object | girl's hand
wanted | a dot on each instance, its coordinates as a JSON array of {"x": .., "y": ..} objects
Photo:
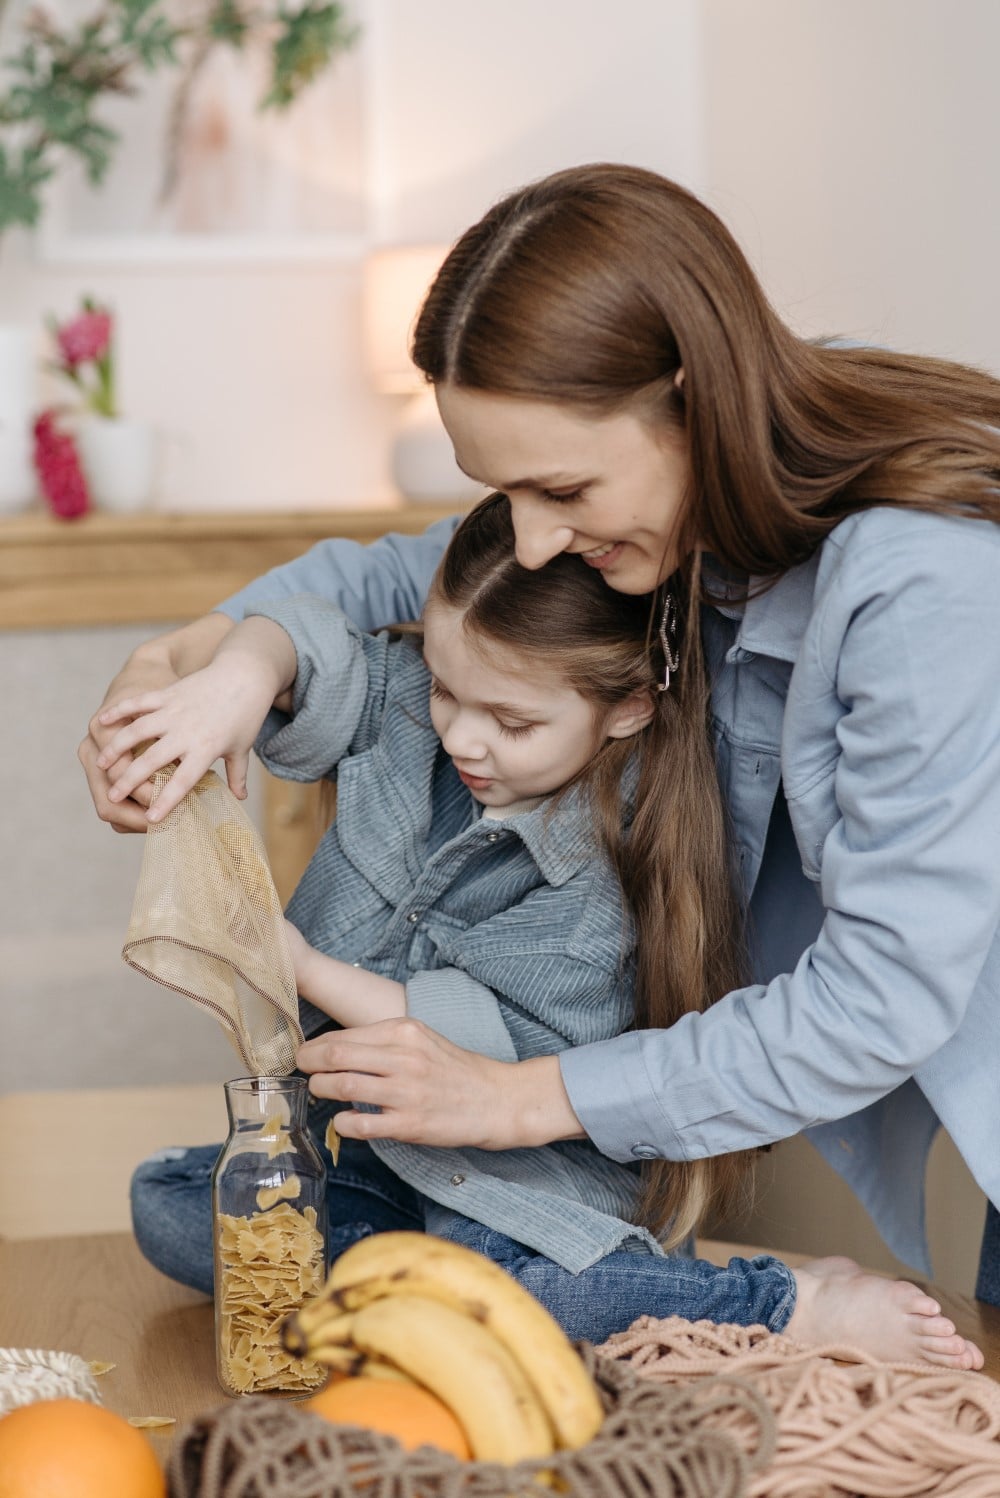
[
  {"x": 432, "y": 1092},
  {"x": 213, "y": 713}
]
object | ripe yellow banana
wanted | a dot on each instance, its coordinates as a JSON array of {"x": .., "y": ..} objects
[
  {"x": 357, "y": 1364},
  {"x": 315, "y": 1323},
  {"x": 465, "y": 1366},
  {"x": 392, "y": 1264}
]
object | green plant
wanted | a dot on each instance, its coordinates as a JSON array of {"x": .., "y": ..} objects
[{"x": 62, "y": 72}]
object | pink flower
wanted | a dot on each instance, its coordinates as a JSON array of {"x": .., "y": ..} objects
[
  {"x": 57, "y": 464},
  {"x": 85, "y": 338}
]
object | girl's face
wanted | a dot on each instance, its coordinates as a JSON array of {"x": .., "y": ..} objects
[
  {"x": 606, "y": 488},
  {"x": 513, "y": 729}
]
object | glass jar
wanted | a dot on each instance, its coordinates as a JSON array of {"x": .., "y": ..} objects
[{"x": 269, "y": 1232}]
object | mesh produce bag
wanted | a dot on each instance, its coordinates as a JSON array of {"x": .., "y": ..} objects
[
  {"x": 706, "y": 1442},
  {"x": 207, "y": 922}
]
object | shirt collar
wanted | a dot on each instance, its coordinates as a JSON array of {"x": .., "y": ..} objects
[
  {"x": 560, "y": 840},
  {"x": 774, "y": 622},
  {"x": 564, "y": 841}
]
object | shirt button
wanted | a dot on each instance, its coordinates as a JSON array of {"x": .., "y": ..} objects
[
  {"x": 457, "y": 1180},
  {"x": 493, "y": 837},
  {"x": 645, "y": 1151},
  {"x": 413, "y": 917}
]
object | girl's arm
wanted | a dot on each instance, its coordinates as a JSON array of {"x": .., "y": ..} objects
[
  {"x": 215, "y": 713},
  {"x": 348, "y": 994},
  {"x": 451, "y": 1073}
]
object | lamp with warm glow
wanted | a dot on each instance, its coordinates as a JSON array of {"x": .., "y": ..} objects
[{"x": 395, "y": 283}]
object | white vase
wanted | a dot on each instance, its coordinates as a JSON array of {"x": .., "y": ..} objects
[
  {"x": 423, "y": 459},
  {"x": 17, "y": 400},
  {"x": 119, "y": 462}
]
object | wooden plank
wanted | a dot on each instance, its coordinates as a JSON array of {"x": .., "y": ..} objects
[{"x": 150, "y": 568}]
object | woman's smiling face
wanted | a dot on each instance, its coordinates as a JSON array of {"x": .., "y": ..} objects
[{"x": 604, "y": 488}]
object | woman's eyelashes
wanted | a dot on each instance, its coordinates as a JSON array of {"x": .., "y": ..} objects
[{"x": 562, "y": 496}]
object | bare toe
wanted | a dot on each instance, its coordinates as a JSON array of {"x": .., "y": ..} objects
[{"x": 893, "y": 1320}]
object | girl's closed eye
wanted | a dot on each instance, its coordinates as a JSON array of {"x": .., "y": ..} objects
[
  {"x": 437, "y": 690},
  {"x": 515, "y": 730},
  {"x": 562, "y": 497}
]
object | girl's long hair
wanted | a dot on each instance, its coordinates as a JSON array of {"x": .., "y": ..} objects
[
  {"x": 595, "y": 287},
  {"x": 605, "y": 646}
]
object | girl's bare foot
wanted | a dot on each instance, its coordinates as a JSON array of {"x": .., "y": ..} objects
[{"x": 839, "y": 1302}]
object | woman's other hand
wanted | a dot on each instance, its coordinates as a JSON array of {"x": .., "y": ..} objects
[{"x": 430, "y": 1091}]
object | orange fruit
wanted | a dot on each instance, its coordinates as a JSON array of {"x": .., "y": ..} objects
[
  {"x": 67, "y": 1448},
  {"x": 413, "y": 1415}
]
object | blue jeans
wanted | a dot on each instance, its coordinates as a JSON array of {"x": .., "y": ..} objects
[
  {"x": 172, "y": 1218},
  {"x": 988, "y": 1283}
]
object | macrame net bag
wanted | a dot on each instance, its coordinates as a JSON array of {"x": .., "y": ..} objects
[
  {"x": 654, "y": 1443},
  {"x": 207, "y": 922}
]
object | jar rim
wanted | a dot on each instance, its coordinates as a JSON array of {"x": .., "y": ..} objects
[{"x": 266, "y": 1084}]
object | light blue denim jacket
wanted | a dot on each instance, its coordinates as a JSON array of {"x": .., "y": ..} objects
[
  {"x": 509, "y": 934},
  {"x": 857, "y": 717}
]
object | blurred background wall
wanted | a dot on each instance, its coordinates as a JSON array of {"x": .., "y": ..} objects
[{"x": 851, "y": 146}]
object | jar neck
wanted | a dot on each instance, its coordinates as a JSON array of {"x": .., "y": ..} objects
[{"x": 252, "y": 1101}]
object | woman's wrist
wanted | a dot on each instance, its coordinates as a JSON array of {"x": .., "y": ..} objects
[{"x": 540, "y": 1105}]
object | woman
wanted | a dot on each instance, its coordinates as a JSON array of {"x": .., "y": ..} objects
[{"x": 602, "y": 353}]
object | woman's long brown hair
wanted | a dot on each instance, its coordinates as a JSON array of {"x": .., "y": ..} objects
[{"x": 595, "y": 287}]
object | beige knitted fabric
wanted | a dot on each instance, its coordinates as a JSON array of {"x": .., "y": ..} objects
[{"x": 846, "y": 1429}]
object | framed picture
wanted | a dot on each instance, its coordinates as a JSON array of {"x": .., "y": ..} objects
[{"x": 201, "y": 174}]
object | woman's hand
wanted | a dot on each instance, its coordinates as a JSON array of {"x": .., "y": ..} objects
[{"x": 432, "y": 1092}]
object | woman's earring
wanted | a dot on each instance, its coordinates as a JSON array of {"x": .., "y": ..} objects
[{"x": 668, "y": 639}]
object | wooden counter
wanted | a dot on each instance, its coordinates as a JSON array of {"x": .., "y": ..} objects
[{"x": 151, "y": 568}]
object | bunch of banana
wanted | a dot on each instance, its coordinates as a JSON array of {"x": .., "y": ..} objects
[{"x": 449, "y": 1319}]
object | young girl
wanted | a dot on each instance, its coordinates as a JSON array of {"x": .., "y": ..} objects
[{"x": 496, "y": 790}]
